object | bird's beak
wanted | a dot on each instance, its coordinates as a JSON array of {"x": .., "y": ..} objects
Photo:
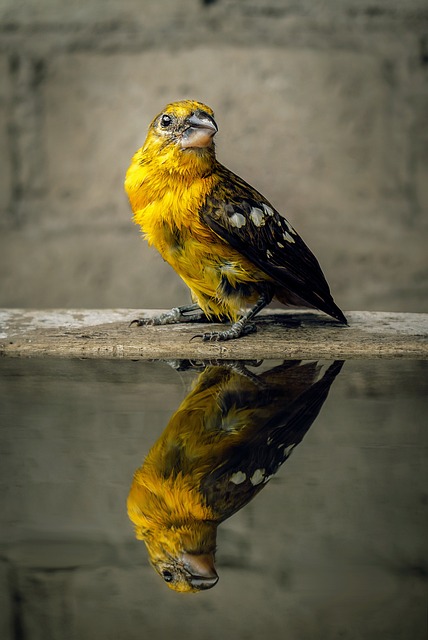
[
  {"x": 201, "y": 568},
  {"x": 200, "y": 131}
]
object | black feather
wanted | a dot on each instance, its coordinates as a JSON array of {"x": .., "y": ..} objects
[
  {"x": 292, "y": 266},
  {"x": 285, "y": 410}
]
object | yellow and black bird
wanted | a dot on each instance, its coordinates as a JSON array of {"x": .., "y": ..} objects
[
  {"x": 225, "y": 240},
  {"x": 220, "y": 448}
]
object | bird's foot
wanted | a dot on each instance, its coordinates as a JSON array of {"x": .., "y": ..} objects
[
  {"x": 237, "y": 330},
  {"x": 177, "y": 315}
]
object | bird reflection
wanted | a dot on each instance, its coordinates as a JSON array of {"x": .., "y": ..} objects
[{"x": 227, "y": 439}]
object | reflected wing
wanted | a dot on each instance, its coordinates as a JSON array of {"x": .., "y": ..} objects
[
  {"x": 251, "y": 463},
  {"x": 247, "y": 221}
]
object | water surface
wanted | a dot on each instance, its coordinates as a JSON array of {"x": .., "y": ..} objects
[{"x": 333, "y": 547}]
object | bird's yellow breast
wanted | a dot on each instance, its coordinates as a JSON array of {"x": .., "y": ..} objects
[{"x": 167, "y": 209}]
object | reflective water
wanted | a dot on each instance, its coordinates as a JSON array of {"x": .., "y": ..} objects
[{"x": 334, "y": 546}]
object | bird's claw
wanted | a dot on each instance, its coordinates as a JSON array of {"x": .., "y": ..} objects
[
  {"x": 144, "y": 322},
  {"x": 174, "y": 316},
  {"x": 177, "y": 315},
  {"x": 139, "y": 322},
  {"x": 236, "y": 331}
]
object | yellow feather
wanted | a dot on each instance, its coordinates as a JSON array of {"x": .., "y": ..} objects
[{"x": 167, "y": 189}]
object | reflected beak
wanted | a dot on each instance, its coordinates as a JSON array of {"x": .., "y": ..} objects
[
  {"x": 200, "y": 132},
  {"x": 201, "y": 568}
]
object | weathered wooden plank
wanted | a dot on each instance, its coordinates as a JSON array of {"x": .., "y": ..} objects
[{"x": 281, "y": 334}]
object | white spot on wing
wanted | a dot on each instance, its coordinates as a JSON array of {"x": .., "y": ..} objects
[
  {"x": 238, "y": 478},
  {"x": 257, "y": 477},
  {"x": 269, "y": 253},
  {"x": 257, "y": 216},
  {"x": 281, "y": 246},
  {"x": 287, "y": 237},
  {"x": 228, "y": 267},
  {"x": 238, "y": 220},
  {"x": 268, "y": 210},
  {"x": 287, "y": 450}
]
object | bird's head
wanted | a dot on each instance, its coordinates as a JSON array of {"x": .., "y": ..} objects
[
  {"x": 184, "y": 555},
  {"x": 181, "y": 136},
  {"x": 187, "y": 572},
  {"x": 178, "y": 529}
]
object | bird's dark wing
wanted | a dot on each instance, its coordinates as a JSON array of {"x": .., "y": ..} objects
[
  {"x": 247, "y": 222},
  {"x": 253, "y": 461}
]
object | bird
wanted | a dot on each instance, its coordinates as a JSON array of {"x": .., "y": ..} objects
[
  {"x": 220, "y": 448},
  {"x": 227, "y": 242}
]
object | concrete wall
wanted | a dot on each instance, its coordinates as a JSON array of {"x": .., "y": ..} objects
[{"x": 321, "y": 105}]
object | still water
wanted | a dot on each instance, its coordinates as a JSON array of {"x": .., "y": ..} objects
[{"x": 291, "y": 497}]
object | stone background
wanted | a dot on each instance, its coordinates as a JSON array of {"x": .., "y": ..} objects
[{"x": 321, "y": 105}]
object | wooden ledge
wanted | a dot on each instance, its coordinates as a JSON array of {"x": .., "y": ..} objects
[{"x": 281, "y": 334}]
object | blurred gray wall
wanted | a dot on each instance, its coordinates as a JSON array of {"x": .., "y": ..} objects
[{"x": 321, "y": 105}]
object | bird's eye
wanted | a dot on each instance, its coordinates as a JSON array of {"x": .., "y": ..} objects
[
  {"x": 166, "y": 120},
  {"x": 167, "y": 576}
]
